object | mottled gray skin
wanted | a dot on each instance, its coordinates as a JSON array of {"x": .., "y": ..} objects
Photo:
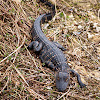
[{"x": 51, "y": 53}]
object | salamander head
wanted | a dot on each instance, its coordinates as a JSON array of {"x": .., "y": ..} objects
[{"x": 62, "y": 81}]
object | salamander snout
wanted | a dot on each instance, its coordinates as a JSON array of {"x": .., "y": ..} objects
[{"x": 62, "y": 81}]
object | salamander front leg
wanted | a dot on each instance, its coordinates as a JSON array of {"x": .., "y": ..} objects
[
  {"x": 35, "y": 45},
  {"x": 78, "y": 78},
  {"x": 48, "y": 63},
  {"x": 59, "y": 46}
]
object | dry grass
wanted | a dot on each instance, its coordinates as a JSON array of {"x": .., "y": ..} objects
[{"x": 21, "y": 73}]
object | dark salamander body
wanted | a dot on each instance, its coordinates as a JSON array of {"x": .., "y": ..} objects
[{"x": 51, "y": 53}]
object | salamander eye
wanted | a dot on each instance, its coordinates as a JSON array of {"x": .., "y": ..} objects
[
  {"x": 67, "y": 79},
  {"x": 58, "y": 78}
]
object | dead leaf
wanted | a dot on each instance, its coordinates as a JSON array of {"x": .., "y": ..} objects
[
  {"x": 17, "y": 1},
  {"x": 95, "y": 74}
]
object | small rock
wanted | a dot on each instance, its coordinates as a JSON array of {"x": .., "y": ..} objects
[
  {"x": 89, "y": 35},
  {"x": 76, "y": 33},
  {"x": 99, "y": 68},
  {"x": 75, "y": 23},
  {"x": 97, "y": 29},
  {"x": 46, "y": 25},
  {"x": 69, "y": 64},
  {"x": 93, "y": 17},
  {"x": 49, "y": 88},
  {"x": 80, "y": 27},
  {"x": 95, "y": 25},
  {"x": 71, "y": 16}
]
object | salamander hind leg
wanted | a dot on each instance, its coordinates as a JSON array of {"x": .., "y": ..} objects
[
  {"x": 78, "y": 78},
  {"x": 59, "y": 46},
  {"x": 35, "y": 45}
]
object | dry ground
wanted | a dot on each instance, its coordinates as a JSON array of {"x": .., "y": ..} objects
[{"x": 76, "y": 26}]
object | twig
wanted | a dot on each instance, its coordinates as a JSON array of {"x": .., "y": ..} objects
[
  {"x": 87, "y": 51},
  {"x": 33, "y": 59},
  {"x": 28, "y": 88},
  {"x": 99, "y": 14},
  {"x": 32, "y": 92},
  {"x": 66, "y": 3},
  {"x": 18, "y": 36},
  {"x": 20, "y": 75},
  {"x": 15, "y": 50},
  {"x": 64, "y": 94},
  {"x": 5, "y": 85},
  {"x": 4, "y": 75}
]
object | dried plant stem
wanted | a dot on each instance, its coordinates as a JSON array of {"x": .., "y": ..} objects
[
  {"x": 64, "y": 94},
  {"x": 33, "y": 59},
  {"x": 99, "y": 14},
  {"x": 20, "y": 75},
  {"x": 5, "y": 85},
  {"x": 4, "y": 75},
  {"x": 32, "y": 92},
  {"x": 15, "y": 50},
  {"x": 86, "y": 51}
]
